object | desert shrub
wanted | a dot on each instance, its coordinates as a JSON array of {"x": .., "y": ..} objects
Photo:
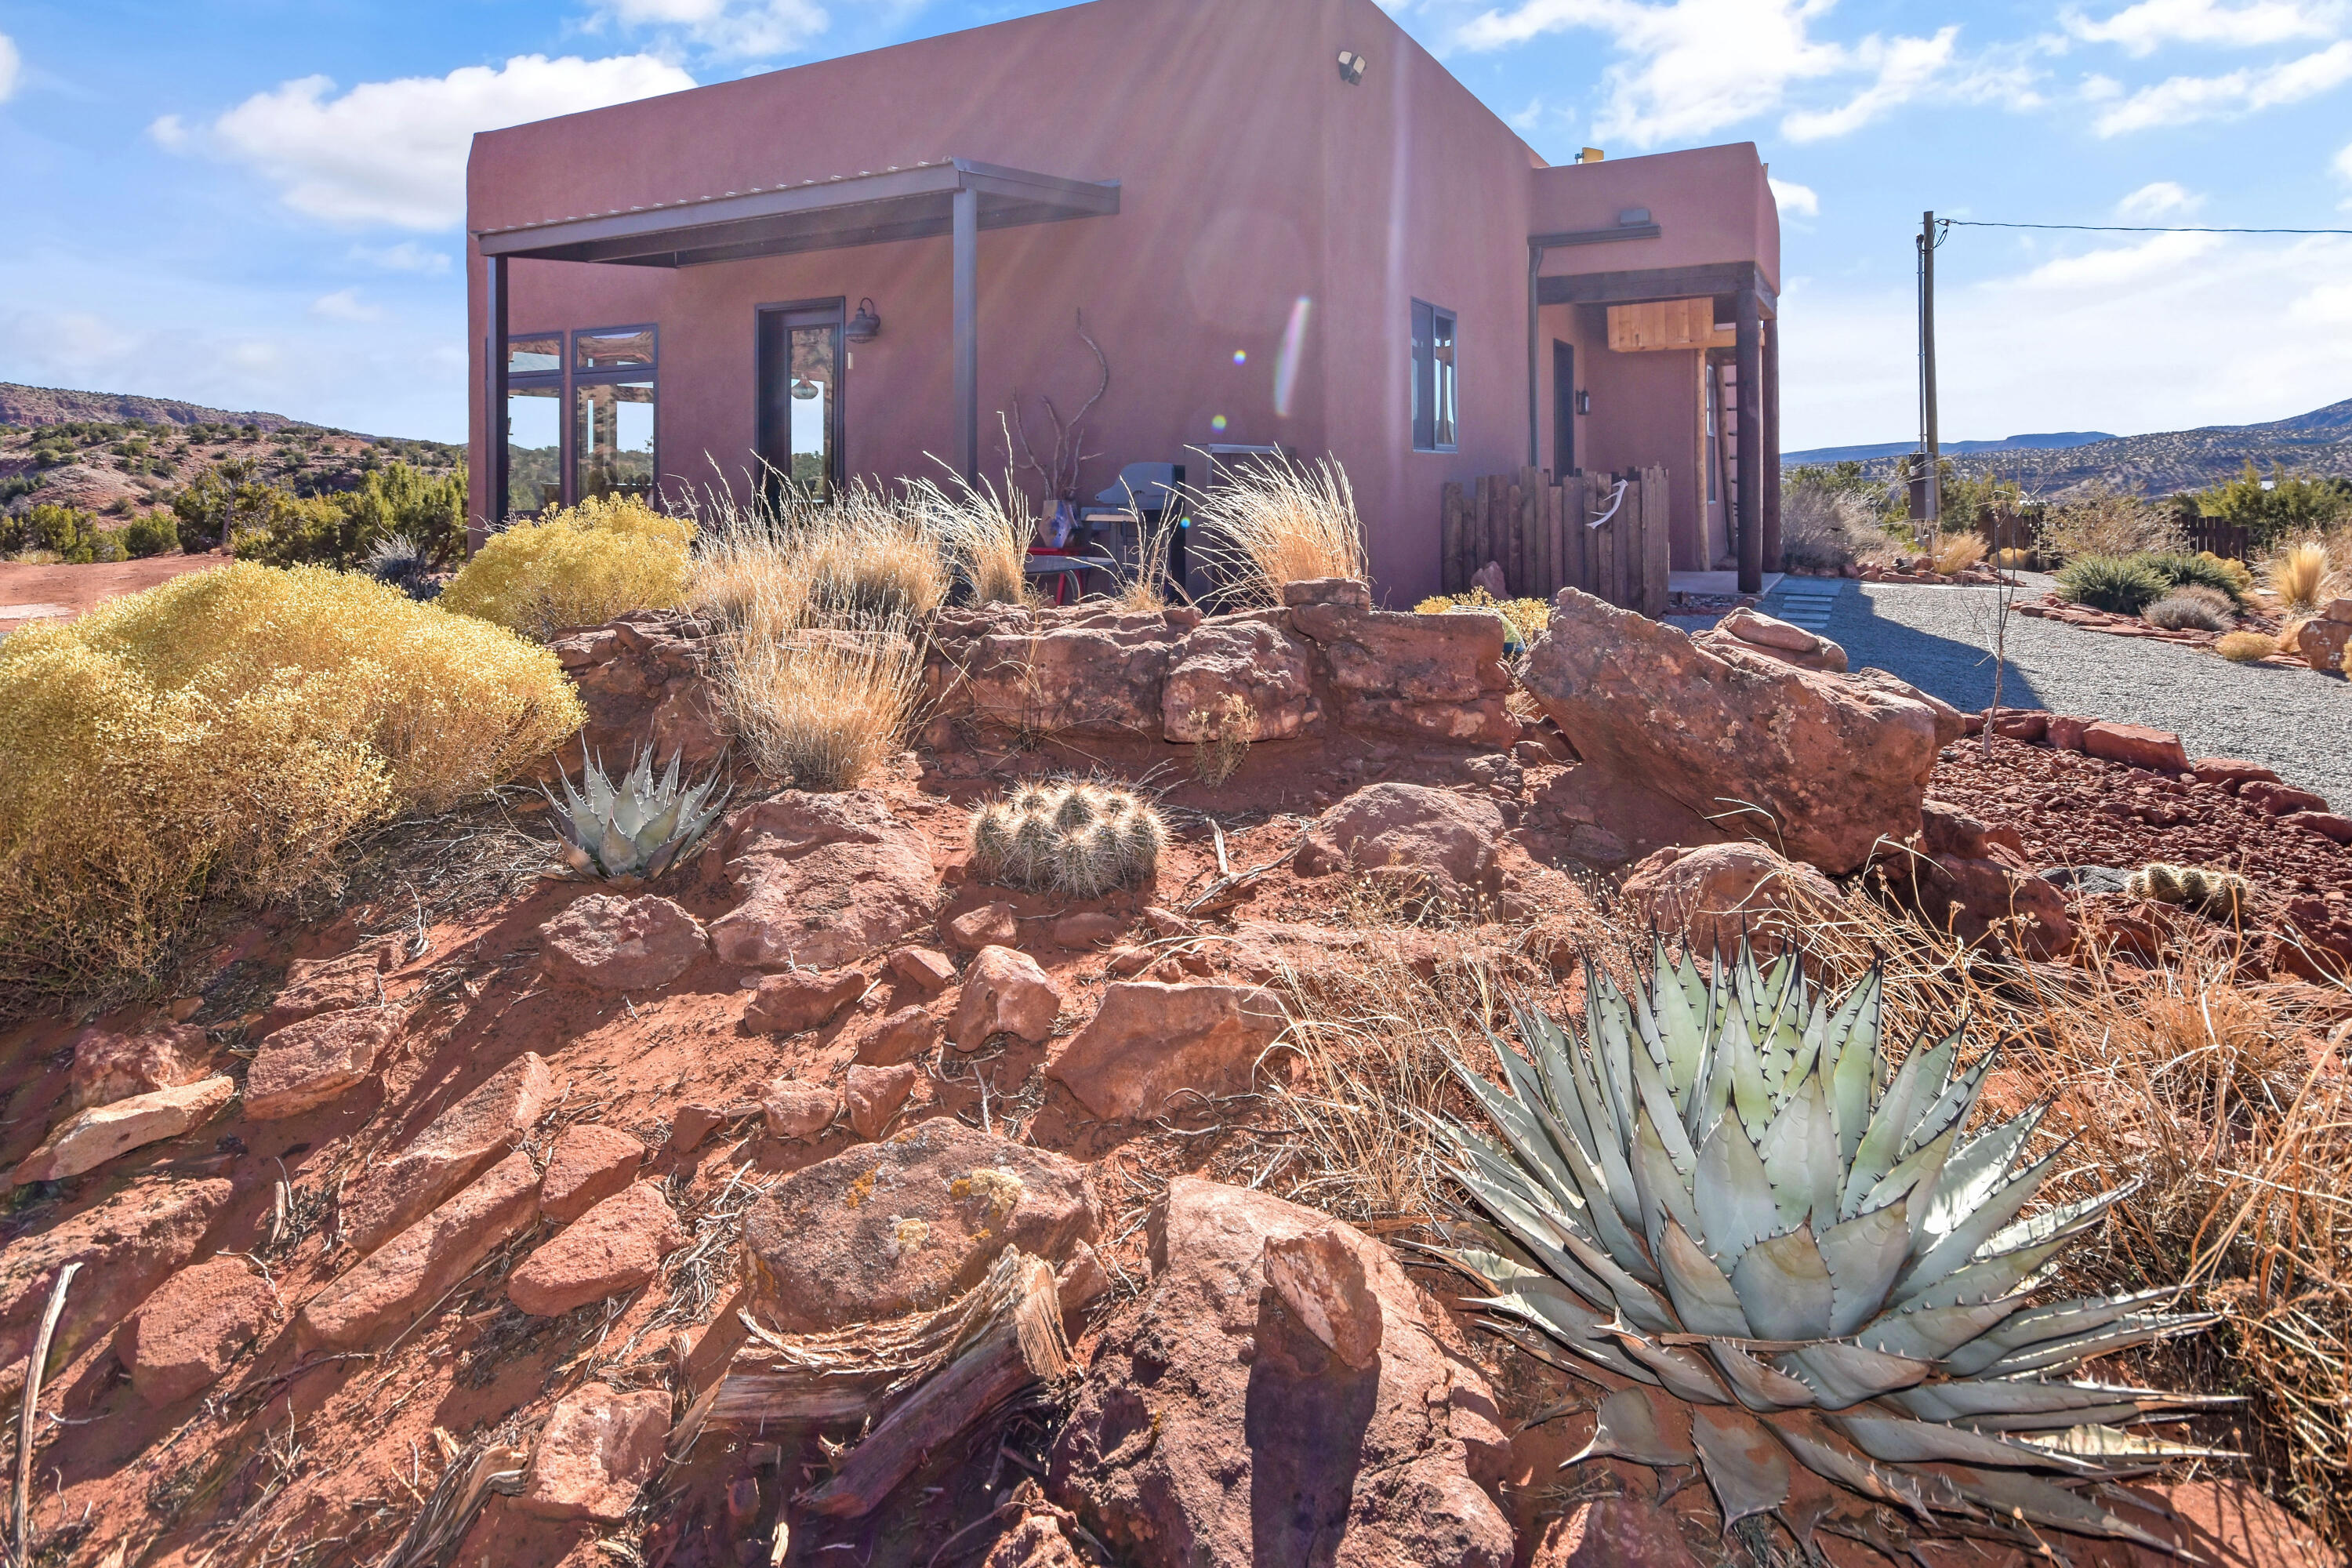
[
  {"x": 2246, "y": 647},
  {"x": 2202, "y": 570},
  {"x": 66, "y": 534},
  {"x": 397, "y": 560},
  {"x": 221, "y": 734},
  {"x": 577, "y": 567},
  {"x": 150, "y": 534},
  {"x": 2016, "y": 558},
  {"x": 1956, "y": 552},
  {"x": 2192, "y": 609},
  {"x": 2104, "y": 522},
  {"x": 279, "y": 528},
  {"x": 2240, "y": 575},
  {"x": 2124, "y": 585},
  {"x": 1826, "y": 525},
  {"x": 1274, "y": 523},
  {"x": 2302, "y": 574},
  {"x": 1526, "y": 617},
  {"x": 2285, "y": 505},
  {"x": 1081, "y": 839}
]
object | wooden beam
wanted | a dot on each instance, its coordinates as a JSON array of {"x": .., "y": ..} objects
[
  {"x": 1750, "y": 394},
  {"x": 1655, "y": 283}
]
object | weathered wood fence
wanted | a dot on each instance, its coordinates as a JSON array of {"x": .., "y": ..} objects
[
  {"x": 1577, "y": 533},
  {"x": 2227, "y": 540}
]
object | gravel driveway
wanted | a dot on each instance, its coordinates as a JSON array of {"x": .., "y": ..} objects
[{"x": 2297, "y": 721}]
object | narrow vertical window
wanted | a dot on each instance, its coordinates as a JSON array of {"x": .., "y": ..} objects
[
  {"x": 534, "y": 422},
  {"x": 1434, "y": 382},
  {"x": 612, "y": 412}
]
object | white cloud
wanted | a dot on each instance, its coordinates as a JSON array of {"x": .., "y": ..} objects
[
  {"x": 168, "y": 131},
  {"x": 395, "y": 152},
  {"x": 2161, "y": 198},
  {"x": 2142, "y": 28},
  {"x": 1905, "y": 66},
  {"x": 12, "y": 66},
  {"x": 2344, "y": 162},
  {"x": 345, "y": 305},
  {"x": 735, "y": 29},
  {"x": 2116, "y": 267},
  {"x": 1794, "y": 198},
  {"x": 406, "y": 257},
  {"x": 2183, "y": 100}
]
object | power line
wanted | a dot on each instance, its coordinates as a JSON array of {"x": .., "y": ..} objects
[{"x": 2125, "y": 228}]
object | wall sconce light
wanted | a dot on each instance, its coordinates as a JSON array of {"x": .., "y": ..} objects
[
  {"x": 865, "y": 326},
  {"x": 1584, "y": 402},
  {"x": 1352, "y": 67}
]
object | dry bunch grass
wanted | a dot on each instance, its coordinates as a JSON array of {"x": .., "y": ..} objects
[
  {"x": 987, "y": 531},
  {"x": 2106, "y": 522},
  {"x": 1958, "y": 552},
  {"x": 1217, "y": 757},
  {"x": 822, "y": 707},
  {"x": 2246, "y": 647},
  {"x": 2302, "y": 574},
  {"x": 1275, "y": 522}
]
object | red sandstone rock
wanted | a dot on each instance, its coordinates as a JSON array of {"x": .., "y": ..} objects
[
  {"x": 354, "y": 979},
  {"x": 1087, "y": 928},
  {"x": 193, "y": 1327},
  {"x": 589, "y": 1164},
  {"x": 88, "y": 1139},
  {"x": 1776, "y": 639},
  {"x": 2231, "y": 770},
  {"x": 990, "y": 925},
  {"x": 1126, "y": 961},
  {"x": 796, "y": 1110},
  {"x": 2320, "y": 642},
  {"x": 1242, "y": 1404},
  {"x": 2279, "y": 799},
  {"x": 824, "y": 880},
  {"x": 926, "y": 970},
  {"x": 1036, "y": 1541},
  {"x": 127, "y": 1246},
  {"x": 1252, "y": 657},
  {"x": 1718, "y": 893},
  {"x": 1077, "y": 672},
  {"x": 385, "y": 1292},
  {"x": 2066, "y": 731},
  {"x": 898, "y": 1037},
  {"x": 1149, "y": 1041},
  {"x": 1321, "y": 1278},
  {"x": 690, "y": 1124},
  {"x": 2027, "y": 724},
  {"x": 1615, "y": 1532},
  {"x": 317, "y": 1061},
  {"x": 597, "y": 1452},
  {"x": 617, "y": 1245},
  {"x": 882, "y": 1229},
  {"x": 622, "y": 945},
  {"x": 875, "y": 1095},
  {"x": 461, "y": 1142},
  {"x": 802, "y": 999},
  {"x": 108, "y": 1066},
  {"x": 2136, "y": 745},
  {"x": 1004, "y": 992},
  {"x": 2327, "y": 824},
  {"x": 1419, "y": 841}
]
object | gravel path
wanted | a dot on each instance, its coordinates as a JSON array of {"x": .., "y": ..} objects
[{"x": 2297, "y": 721}]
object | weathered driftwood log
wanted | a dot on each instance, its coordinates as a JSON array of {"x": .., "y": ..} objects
[{"x": 928, "y": 1378}]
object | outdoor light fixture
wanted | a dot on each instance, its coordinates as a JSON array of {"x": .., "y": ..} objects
[
  {"x": 1352, "y": 67},
  {"x": 803, "y": 389},
  {"x": 1584, "y": 402},
  {"x": 865, "y": 326}
]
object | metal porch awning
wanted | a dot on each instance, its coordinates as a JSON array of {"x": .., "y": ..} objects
[{"x": 957, "y": 197}]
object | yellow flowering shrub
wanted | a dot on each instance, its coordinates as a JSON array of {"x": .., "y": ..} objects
[{"x": 577, "y": 567}]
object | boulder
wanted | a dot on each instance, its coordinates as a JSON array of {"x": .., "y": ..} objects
[
  {"x": 596, "y": 1453},
  {"x": 824, "y": 880},
  {"x": 622, "y": 945},
  {"x": 1615, "y": 1532},
  {"x": 1088, "y": 928},
  {"x": 1971, "y": 877},
  {"x": 1149, "y": 1041},
  {"x": 802, "y": 999},
  {"x": 88, "y": 1139},
  {"x": 589, "y": 1164},
  {"x": 127, "y": 1246},
  {"x": 1760, "y": 632},
  {"x": 1321, "y": 1278},
  {"x": 1252, "y": 657},
  {"x": 1004, "y": 992},
  {"x": 882, "y": 1229},
  {"x": 2136, "y": 745},
  {"x": 193, "y": 1327},
  {"x": 1088, "y": 672},
  {"x": 1419, "y": 841},
  {"x": 1824, "y": 765},
  {"x": 990, "y": 925},
  {"x": 2278, "y": 799},
  {"x": 926, "y": 969},
  {"x": 2065, "y": 731},
  {"x": 458, "y": 1145},
  {"x": 109, "y": 1067},
  {"x": 317, "y": 1061},
  {"x": 798, "y": 1110},
  {"x": 1716, "y": 894},
  {"x": 354, "y": 979},
  {"x": 875, "y": 1096},
  {"x": 898, "y": 1037},
  {"x": 2327, "y": 824},
  {"x": 1214, "y": 1427},
  {"x": 2231, "y": 770},
  {"x": 1439, "y": 676},
  {"x": 385, "y": 1291},
  {"x": 2321, "y": 641},
  {"x": 616, "y": 1245}
]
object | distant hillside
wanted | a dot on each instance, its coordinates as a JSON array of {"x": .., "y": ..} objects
[
  {"x": 1953, "y": 448},
  {"x": 56, "y": 405},
  {"x": 2163, "y": 463}
]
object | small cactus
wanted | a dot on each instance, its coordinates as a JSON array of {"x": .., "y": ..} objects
[
  {"x": 1082, "y": 839},
  {"x": 2222, "y": 894}
]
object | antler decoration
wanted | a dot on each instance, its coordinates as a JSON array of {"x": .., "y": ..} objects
[{"x": 1061, "y": 474}]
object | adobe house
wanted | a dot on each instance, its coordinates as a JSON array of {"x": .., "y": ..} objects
[{"x": 1284, "y": 221}]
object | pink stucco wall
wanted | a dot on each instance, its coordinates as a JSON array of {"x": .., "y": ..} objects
[{"x": 1252, "y": 177}]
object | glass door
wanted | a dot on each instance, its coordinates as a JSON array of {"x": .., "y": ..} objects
[{"x": 800, "y": 423}]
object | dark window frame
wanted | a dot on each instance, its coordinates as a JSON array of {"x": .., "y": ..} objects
[
  {"x": 1429, "y": 433},
  {"x": 576, "y": 378},
  {"x": 822, "y": 310},
  {"x": 560, "y": 379}
]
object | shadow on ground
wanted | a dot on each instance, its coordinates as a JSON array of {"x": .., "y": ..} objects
[{"x": 1961, "y": 673}]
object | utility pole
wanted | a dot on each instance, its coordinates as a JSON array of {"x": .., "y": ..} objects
[{"x": 1927, "y": 441}]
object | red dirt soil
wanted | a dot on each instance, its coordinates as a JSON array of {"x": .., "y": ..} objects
[{"x": 81, "y": 588}]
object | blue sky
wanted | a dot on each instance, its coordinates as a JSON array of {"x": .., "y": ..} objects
[{"x": 257, "y": 203}]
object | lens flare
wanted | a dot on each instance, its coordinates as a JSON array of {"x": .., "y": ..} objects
[
  {"x": 1241, "y": 357},
  {"x": 1292, "y": 353},
  {"x": 1217, "y": 422}
]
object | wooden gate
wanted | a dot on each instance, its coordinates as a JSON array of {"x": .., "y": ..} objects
[{"x": 1605, "y": 533}]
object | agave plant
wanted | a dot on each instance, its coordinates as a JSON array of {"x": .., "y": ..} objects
[
  {"x": 1723, "y": 1206},
  {"x": 631, "y": 832}
]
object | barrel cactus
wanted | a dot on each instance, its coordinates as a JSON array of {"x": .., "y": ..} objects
[
  {"x": 631, "y": 832},
  {"x": 1723, "y": 1207},
  {"x": 1082, "y": 839},
  {"x": 2222, "y": 894}
]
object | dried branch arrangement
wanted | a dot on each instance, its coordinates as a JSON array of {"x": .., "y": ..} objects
[{"x": 1059, "y": 472}]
